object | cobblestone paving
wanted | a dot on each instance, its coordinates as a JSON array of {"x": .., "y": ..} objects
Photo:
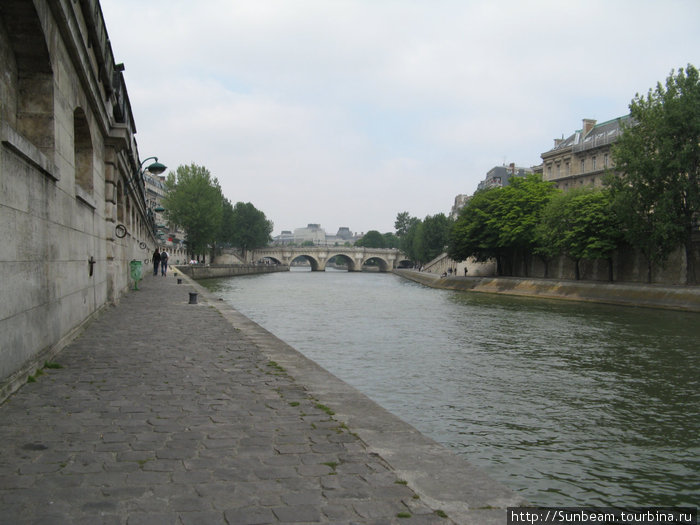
[{"x": 163, "y": 412}]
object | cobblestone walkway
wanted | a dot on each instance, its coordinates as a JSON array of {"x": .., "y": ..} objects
[{"x": 164, "y": 412}]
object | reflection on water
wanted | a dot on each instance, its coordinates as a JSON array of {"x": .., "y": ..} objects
[{"x": 567, "y": 403}]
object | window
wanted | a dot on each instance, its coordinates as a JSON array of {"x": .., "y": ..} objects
[
  {"x": 82, "y": 144},
  {"x": 593, "y": 162},
  {"x": 583, "y": 165},
  {"x": 605, "y": 160}
]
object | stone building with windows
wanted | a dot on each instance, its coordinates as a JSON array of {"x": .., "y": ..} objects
[
  {"x": 499, "y": 176},
  {"x": 583, "y": 158},
  {"x": 169, "y": 236},
  {"x": 72, "y": 200},
  {"x": 461, "y": 201}
]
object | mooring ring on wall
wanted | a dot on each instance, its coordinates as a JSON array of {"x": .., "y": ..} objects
[
  {"x": 120, "y": 231},
  {"x": 143, "y": 245}
]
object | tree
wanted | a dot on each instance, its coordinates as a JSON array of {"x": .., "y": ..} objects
[
  {"x": 434, "y": 235},
  {"x": 657, "y": 194},
  {"x": 403, "y": 223},
  {"x": 581, "y": 225},
  {"x": 371, "y": 239},
  {"x": 226, "y": 232},
  {"x": 391, "y": 240},
  {"x": 475, "y": 233},
  {"x": 249, "y": 227},
  {"x": 410, "y": 240},
  {"x": 499, "y": 223},
  {"x": 194, "y": 202},
  {"x": 518, "y": 210}
]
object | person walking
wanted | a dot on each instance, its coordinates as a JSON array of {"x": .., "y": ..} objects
[
  {"x": 156, "y": 261},
  {"x": 163, "y": 262}
]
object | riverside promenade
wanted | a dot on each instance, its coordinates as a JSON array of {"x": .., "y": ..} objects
[{"x": 176, "y": 413}]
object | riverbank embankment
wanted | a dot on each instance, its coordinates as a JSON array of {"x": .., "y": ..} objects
[
  {"x": 228, "y": 270},
  {"x": 685, "y": 298}
]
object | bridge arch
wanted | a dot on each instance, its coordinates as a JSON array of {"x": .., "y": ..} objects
[
  {"x": 315, "y": 264},
  {"x": 271, "y": 258},
  {"x": 384, "y": 265},
  {"x": 352, "y": 266},
  {"x": 404, "y": 263}
]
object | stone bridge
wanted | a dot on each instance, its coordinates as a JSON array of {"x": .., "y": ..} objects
[{"x": 318, "y": 256}]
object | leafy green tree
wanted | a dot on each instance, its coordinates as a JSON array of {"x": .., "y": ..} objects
[
  {"x": 226, "y": 234},
  {"x": 194, "y": 202},
  {"x": 581, "y": 225},
  {"x": 371, "y": 239},
  {"x": 434, "y": 237},
  {"x": 403, "y": 223},
  {"x": 518, "y": 209},
  {"x": 249, "y": 227},
  {"x": 411, "y": 243},
  {"x": 391, "y": 240},
  {"x": 499, "y": 223},
  {"x": 657, "y": 194},
  {"x": 475, "y": 233}
]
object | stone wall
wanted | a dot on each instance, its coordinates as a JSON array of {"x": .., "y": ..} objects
[
  {"x": 652, "y": 296},
  {"x": 628, "y": 266},
  {"x": 67, "y": 159},
  {"x": 228, "y": 270}
]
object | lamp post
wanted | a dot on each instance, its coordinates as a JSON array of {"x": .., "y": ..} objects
[{"x": 156, "y": 168}]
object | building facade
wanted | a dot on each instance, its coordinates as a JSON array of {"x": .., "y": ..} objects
[
  {"x": 169, "y": 236},
  {"x": 72, "y": 200},
  {"x": 499, "y": 176},
  {"x": 583, "y": 158},
  {"x": 461, "y": 201}
]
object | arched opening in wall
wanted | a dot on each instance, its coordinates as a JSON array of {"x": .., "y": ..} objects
[
  {"x": 304, "y": 263},
  {"x": 128, "y": 218},
  {"x": 269, "y": 261},
  {"x": 27, "y": 88},
  {"x": 341, "y": 262},
  {"x": 120, "y": 203},
  {"x": 83, "y": 155},
  {"x": 376, "y": 264}
]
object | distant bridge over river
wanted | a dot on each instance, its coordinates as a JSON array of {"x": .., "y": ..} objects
[{"x": 318, "y": 256}]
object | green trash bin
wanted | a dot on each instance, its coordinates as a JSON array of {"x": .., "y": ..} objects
[{"x": 136, "y": 272}]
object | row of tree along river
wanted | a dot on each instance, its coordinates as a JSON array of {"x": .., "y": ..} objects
[{"x": 567, "y": 403}]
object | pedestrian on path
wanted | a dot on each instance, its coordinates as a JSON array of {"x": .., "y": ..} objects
[
  {"x": 156, "y": 261},
  {"x": 163, "y": 262}
]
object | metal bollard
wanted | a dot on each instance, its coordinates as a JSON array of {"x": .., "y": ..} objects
[
  {"x": 193, "y": 298},
  {"x": 179, "y": 281}
]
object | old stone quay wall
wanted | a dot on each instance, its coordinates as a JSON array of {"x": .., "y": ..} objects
[{"x": 72, "y": 211}]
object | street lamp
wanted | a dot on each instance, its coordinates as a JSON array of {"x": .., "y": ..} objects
[{"x": 156, "y": 168}]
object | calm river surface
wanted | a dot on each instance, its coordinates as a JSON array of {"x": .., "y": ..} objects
[{"x": 566, "y": 403}]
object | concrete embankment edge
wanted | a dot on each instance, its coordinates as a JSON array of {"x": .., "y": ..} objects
[
  {"x": 227, "y": 270},
  {"x": 686, "y": 298},
  {"x": 442, "y": 479}
]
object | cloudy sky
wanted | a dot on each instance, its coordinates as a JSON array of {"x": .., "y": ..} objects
[{"x": 347, "y": 112}]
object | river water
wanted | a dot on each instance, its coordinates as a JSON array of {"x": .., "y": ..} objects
[{"x": 566, "y": 403}]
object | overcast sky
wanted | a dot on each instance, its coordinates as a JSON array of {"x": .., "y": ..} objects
[{"x": 347, "y": 112}]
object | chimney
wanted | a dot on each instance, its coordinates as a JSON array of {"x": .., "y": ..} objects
[
  {"x": 557, "y": 142},
  {"x": 588, "y": 124}
]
